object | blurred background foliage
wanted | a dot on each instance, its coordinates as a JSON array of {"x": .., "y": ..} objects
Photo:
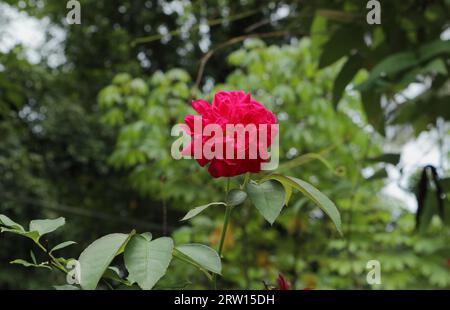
[{"x": 86, "y": 133}]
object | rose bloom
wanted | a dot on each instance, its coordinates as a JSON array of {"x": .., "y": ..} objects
[
  {"x": 231, "y": 108},
  {"x": 283, "y": 284}
]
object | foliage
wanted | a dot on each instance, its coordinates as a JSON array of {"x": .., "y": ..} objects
[
  {"x": 282, "y": 92},
  {"x": 339, "y": 87},
  {"x": 145, "y": 259},
  {"x": 406, "y": 48}
]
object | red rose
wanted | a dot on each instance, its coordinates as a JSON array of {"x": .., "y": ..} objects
[{"x": 232, "y": 152}]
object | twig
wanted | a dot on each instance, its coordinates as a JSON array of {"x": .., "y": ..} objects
[
  {"x": 210, "y": 23},
  {"x": 230, "y": 42}
]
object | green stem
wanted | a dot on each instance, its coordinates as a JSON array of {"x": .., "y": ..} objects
[
  {"x": 224, "y": 229},
  {"x": 246, "y": 179},
  {"x": 52, "y": 258},
  {"x": 227, "y": 188}
]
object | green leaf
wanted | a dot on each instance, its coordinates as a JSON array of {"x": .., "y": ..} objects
[
  {"x": 373, "y": 110},
  {"x": 62, "y": 246},
  {"x": 322, "y": 201},
  {"x": 390, "y": 158},
  {"x": 205, "y": 256},
  {"x": 194, "y": 212},
  {"x": 147, "y": 261},
  {"x": 268, "y": 197},
  {"x": 388, "y": 66},
  {"x": 236, "y": 197},
  {"x": 436, "y": 66},
  {"x": 147, "y": 235},
  {"x": 37, "y": 227},
  {"x": 341, "y": 42},
  {"x": 109, "y": 96},
  {"x": 46, "y": 226},
  {"x": 288, "y": 192},
  {"x": 139, "y": 87},
  {"x": 33, "y": 235},
  {"x": 178, "y": 75},
  {"x": 345, "y": 76},
  {"x": 130, "y": 235},
  {"x": 394, "y": 63},
  {"x": 318, "y": 27},
  {"x": 28, "y": 264},
  {"x": 6, "y": 221},
  {"x": 121, "y": 79},
  {"x": 433, "y": 49},
  {"x": 96, "y": 258},
  {"x": 236, "y": 58}
]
